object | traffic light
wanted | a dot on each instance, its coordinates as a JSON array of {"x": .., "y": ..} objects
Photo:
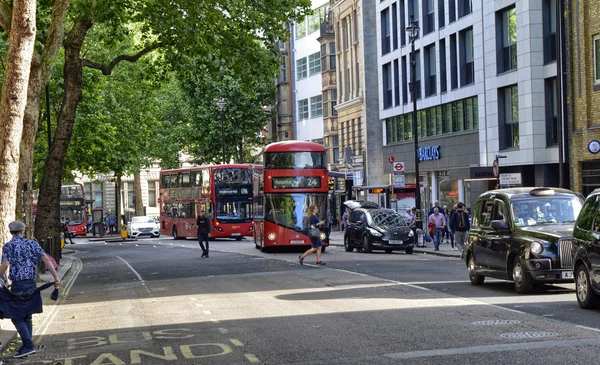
[{"x": 331, "y": 184}]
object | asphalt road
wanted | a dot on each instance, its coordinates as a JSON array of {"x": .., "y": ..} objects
[{"x": 155, "y": 301}]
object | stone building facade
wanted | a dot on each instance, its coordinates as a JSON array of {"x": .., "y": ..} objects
[{"x": 584, "y": 93}]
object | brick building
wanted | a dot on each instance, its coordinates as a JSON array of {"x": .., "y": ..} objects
[{"x": 584, "y": 93}]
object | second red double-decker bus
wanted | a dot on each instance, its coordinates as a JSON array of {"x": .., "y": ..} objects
[
  {"x": 223, "y": 192},
  {"x": 294, "y": 178},
  {"x": 73, "y": 208}
]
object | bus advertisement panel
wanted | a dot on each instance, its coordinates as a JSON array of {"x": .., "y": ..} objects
[
  {"x": 294, "y": 178},
  {"x": 223, "y": 192},
  {"x": 73, "y": 208}
]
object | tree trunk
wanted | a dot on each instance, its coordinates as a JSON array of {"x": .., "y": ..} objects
[
  {"x": 41, "y": 71},
  {"x": 46, "y": 223},
  {"x": 137, "y": 186},
  {"x": 118, "y": 200},
  {"x": 12, "y": 106}
]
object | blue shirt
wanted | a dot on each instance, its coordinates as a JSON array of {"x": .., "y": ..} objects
[{"x": 23, "y": 255}]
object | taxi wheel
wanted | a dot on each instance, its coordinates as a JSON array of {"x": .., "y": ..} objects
[
  {"x": 475, "y": 278},
  {"x": 521, "y": 280},
  {"x": 586, "y": 297},
  {"x": 366, "y": 246},
  {"x": 388, "y": 251},
  {"x": 409, "y": 250}
]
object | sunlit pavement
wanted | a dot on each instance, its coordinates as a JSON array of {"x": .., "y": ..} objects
[{"x": 155, "y": 301}]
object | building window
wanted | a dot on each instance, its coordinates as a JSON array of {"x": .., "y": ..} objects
[
  {"x": 467, "y": 65},
  {"x": 509, "y": 116},
  {"x": 152, "y": 187},
  {"x": 332, "y": 56},
  {"x": 507, "y": 39},
  {"x": 402, "y": 23},
  {"x": 551, "y": 112},
  {"x": 597, "y": 59},
  {"x": 395, "y": 25},
  {"x": 443, "y": 75},
  {"x": 87, "y": 187},
  {"x": 316, "y": 106},
  {"x": 418, "y": 74},
  {"x": 314, "y": 66},
  {"x": 451, "y": 11},
  {"x": 301, "y": 29},
  {"x": 345, "y": 42},
  {"x": 404, "y": 81},
  {"x": 453, "y": 63},
  {"x": 464, "y": 8},
  {"x": 315, "y": 19},
  {"x": 428, "y": 16},
  {"x": 441, "y": 13},
  {"x": 385, "y": 31},
  {"x": 396, "y": 83},
  {"x": 430, "y": 72},
  {"x": 387, "y": 85},
  {"x": 94, "y": 194},
  {"x": 303, "y": 109},
  {"x": 549, "y": 30},
  {"x": 301, "y": 68}
]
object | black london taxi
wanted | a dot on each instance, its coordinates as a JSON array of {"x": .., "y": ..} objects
[
  {"x": 523, "y": 235},
  {"x": 586, "y": 250},
  {"x": 371, "y": 227}
]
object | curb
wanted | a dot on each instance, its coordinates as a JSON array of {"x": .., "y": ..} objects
[{"x": 434, "y": 253}]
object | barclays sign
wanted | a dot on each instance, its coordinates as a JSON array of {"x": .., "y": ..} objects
[{"x": 429, "y": 153}]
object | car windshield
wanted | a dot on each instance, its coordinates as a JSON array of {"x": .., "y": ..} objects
[
  {"x": 142, "y": 220},
  {"x": 386, "y": 217},
  {"x": 546, "y": 210}
]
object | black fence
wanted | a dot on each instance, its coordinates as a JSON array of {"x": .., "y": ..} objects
[{"x": 52, "y": 247}]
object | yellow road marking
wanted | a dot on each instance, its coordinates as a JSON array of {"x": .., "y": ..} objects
[
  {"x": 223, "y": 330},
  {"x": 236, "y": 342},
  {"x": 253, "y": 359}
]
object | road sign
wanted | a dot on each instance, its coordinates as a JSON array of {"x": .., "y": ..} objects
[
  {"x": 399, "y": 180},
  {"x": 399, "y": 166},
  {"x": 496, "y": 169},
  {"x": 391, "y": 159},
  {"x": 511, "y": 179}
]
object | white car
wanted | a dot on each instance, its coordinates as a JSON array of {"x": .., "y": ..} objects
[{"x": 143, "y": 226}]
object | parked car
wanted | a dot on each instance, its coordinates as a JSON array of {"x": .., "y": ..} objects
[
  {"x": 586, "y": 251},
  {"x": 523, "y": 235},
  {"x": 143, "y": 226},
  {"x": 372, "y": 228}
]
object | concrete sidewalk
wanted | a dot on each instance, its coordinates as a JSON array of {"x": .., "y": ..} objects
[
  {"x": 7, "y": 331},
  {"x": 337, "y": 239}
]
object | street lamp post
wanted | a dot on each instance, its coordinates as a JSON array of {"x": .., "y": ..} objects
[
  {"x": 413, "y": 33},
  {"x": 498, "y": 157},
  {"x": 221, "y": 104}
]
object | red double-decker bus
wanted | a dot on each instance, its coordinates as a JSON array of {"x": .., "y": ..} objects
[
  {"x": 73, "y": 208},
  {"x": 293, "y": 178},
  {"x": 224, "y": 192}
]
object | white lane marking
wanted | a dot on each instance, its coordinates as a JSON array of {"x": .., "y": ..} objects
[
  {"x": 131, "y": 268},
  {"x": 67, "y": 289},
  {"x": 589, "y": 328},
  {"x": 519, "y": 346},
  {"x": 208, "y": 313}
]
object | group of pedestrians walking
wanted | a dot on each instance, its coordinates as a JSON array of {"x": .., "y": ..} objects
[{"x": 452, "y": 224}]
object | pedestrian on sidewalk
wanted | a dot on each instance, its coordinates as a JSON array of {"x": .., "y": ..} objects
[
  {"x": 23, "y": 299},
  {"x": 203, "y": 231},
  {"x": 345, "y": 219},
  {"x": 64, "y": 227},
  {"x": 439, "y": 223},
  {"x": 460, "y": 225},
  {"x": 447, "y": 231},
  {"x": 315, "y": 242}
]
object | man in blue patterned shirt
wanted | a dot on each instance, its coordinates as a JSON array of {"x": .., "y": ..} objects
[{"x": 23, "y": 255}]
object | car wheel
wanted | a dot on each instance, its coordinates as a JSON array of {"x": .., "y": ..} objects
[
  {"x": 366, "y": 246},
  {"x": 175, "y": 236},
  {"x": 409, "y": 250},
  {"x": 475, "y": 278},
  {"x": 347, "y": 246},
  {"x": 388, "y": 251},
  {"x": 238, "y": 238},
  {"x": 586, "y": 297},
  {"x": 521, "y": 281}
]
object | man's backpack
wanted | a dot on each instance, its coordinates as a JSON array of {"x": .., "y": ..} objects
[{"x": 461, "y": 221}]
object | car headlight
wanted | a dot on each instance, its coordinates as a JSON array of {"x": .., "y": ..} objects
[
  {"x": 375, "y": 232},
  {"x": 271, "y": 236},
  {"x": 536, "y": 247},
  {"x": 411, "y": 233},
  {"x": 323, "y": 235}
]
